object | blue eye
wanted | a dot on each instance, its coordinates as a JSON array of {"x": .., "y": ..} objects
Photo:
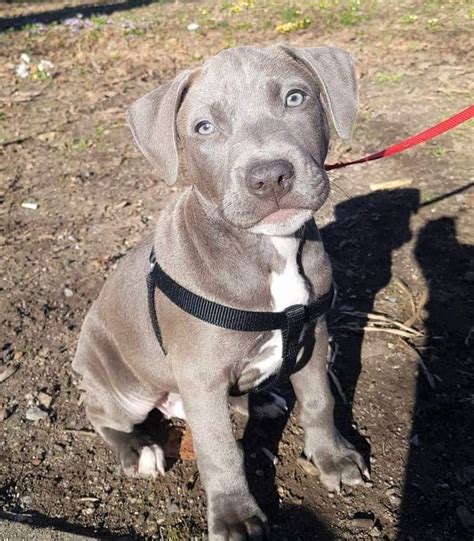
[
  {"x": 205, "y": 128},
  {"x": 294, "y": 98}
]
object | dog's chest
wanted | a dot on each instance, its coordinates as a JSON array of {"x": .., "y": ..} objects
[{"x": 287, "y": 287}]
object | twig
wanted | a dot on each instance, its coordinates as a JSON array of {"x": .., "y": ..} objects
[
  {"x": 467, "y": 340},
  {"x": 8, "y": 372},
  {"x": 423, "y": 300},
  {"x": 429, "y": 377},
  {"x": 370, "y": 328},
  {"x": 26, "y": 96},
  {"x": 23, "y": 138},
  {"x": 383, "y": 319},
  {"x": 414, "y": 316},
  {"x": 80, "y": 431},
  {"x": 468, "y": 374}
]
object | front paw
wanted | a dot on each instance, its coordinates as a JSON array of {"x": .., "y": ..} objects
[
  {"x": 236, "y": 517},
  {"x": 339, "y": 464}
]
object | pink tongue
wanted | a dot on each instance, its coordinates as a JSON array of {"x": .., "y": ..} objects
[{"x": 279, "y": 216}]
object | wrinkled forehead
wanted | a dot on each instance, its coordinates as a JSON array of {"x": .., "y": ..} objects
[{"x": 243, "y": 75}]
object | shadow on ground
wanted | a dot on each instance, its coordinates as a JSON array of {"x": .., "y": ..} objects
[
  {"x": 438, "y": 494},
  {"x": 58, "y": 15},
  {"x": 39, "y": 521}
]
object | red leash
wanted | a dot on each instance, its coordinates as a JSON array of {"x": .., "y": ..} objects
[{"x": 412, "y": 141}]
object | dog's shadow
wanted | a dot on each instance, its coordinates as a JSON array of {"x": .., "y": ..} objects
[{"x": 360, "y": 242}]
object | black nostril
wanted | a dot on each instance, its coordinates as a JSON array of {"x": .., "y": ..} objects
[{"x": 272, "y": 177}]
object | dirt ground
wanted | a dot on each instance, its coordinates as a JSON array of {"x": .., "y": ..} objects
[{"x": 76, "y": 195}]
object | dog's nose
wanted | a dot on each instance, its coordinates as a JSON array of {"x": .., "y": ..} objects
[{"x": 274, "y": 176}]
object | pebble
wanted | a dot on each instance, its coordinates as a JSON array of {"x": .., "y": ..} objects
[
  {"x": 26, "y": 501},
  {"x": 68, "y": 292},
  {"x": 362, "y": 523},
  {"x": 34, "y": 413},
  {"x": 374, "y": 532},
  {"x": 30, "y": 204},
  {"x": 393, "y": 495},
  {"x": 307, "y": 466},
  {"x": 44, "y": 399}
]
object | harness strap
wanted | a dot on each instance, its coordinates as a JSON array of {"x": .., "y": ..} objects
[{"x": 291, "y": 321}]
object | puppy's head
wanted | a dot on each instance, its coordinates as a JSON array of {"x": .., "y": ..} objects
[{"x": 252, "y": 127}]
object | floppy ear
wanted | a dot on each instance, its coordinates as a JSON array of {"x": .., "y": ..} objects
[
  {"x": 334, "y": 71},
  {"x": 152, "y": 120}
]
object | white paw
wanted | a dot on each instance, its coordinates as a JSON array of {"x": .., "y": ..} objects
[{"x": 151, "y": 461}]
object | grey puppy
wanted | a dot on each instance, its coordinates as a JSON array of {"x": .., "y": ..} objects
[{"x": 250, "y": 126}]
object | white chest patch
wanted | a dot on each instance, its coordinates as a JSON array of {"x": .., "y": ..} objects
[{"x": 287, "y": 288}]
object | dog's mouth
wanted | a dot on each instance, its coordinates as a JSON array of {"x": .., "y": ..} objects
[
  {"x": 280, "y": 216},
  {"x": 282, "y": 222}
]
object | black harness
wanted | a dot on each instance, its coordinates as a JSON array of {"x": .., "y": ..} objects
[{"x": 290, "y": 322}]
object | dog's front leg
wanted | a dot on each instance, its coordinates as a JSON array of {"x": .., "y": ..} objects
[
  {"x": 337, "y": 460},
  {"x": 232, "y": 511}
]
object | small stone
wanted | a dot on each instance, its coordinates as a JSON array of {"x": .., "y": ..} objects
[
  {"x": 68, "y": 292},
  {"x": 30, "y": 204},
  {"x": 192, "y": 27},
  {"x": 395, "y": 499},
  {"x": 34, "y": 414},
  {"x": 259, "y": 473},
  {"x": 37, "y": 461},
  {"x": 26, "y": 501},
  {"x": 44, "y": 399},
  {"x": 307, "y": 466},
  {"x": 363, "y": 520},
  {"x": 362, "y": 523},
  {"x": 374, "y": 532}
]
